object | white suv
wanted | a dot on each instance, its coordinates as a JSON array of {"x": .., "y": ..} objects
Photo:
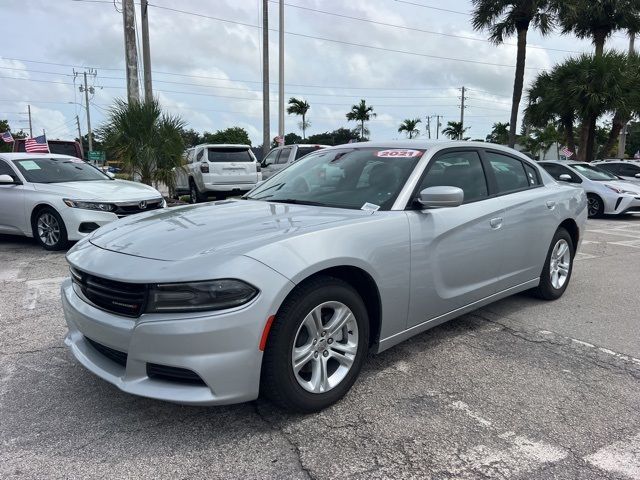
[
  {"x": 281, "y": 157},
  {"x": 217, "y": 170}
]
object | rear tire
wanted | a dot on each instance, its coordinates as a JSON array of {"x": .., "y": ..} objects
[
  {"x": 329, "y": 358},
  {"x": 558, "y": 267},
  {"x": 49, "y": 230},
  {"x": 595, "y": 207}
]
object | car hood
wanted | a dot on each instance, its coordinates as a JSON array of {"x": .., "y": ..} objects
[
  {"x": 100, "y": 190},
  {"x": 228, "y": 227},
  {"x": 623, "y": 184}
]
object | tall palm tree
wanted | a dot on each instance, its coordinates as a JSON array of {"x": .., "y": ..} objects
[
  {"x": 455, "y": 130},
  {"x": 598, "y": 20},
  {"x": 299, "y": 107},
  {"x": 410, "y": 126},
  {"x": 361, "y": 113},
  {"x": 503, "y": 18},
  {"x": 499, "y": 133},
  {"x": 148, "y": 141}
]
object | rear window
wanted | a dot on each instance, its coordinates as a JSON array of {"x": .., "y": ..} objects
[
  {"x": 220, "y": 155},
  {"x": 64, "y": 148},
  {"x": 302, "y": 151}
]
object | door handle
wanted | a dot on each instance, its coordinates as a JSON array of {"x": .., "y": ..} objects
[
  {"x": 496, "y": 223},
  {"x": 551, "y": 204}
]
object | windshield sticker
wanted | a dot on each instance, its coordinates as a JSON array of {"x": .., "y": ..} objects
[
  {"x": 29, "y": 165},
  {"x": 370, "y": 207},
  {"x": 399, "y": 153}
]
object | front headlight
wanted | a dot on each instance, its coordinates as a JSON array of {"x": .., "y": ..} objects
[
  {"x": 199, "y": 296},
  {"x": 103, "y": 207}
]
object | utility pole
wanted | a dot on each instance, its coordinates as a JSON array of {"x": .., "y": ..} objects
[
  {"x": 438, "y": 125},
  {"x": 281, "y": 72},
  {"x": 429, "y": 127},
  {"x": 146, "y": 52},
  {"x": 130, "y": 52},
  {"x": 30, "y": 126},
  {"x": 622, "y": 140},
  {"x": 462, "y": 99},
  {"x": 79, "y": 135},
  {"x": 266, "y": 129},
  {"x": 87, "y": 90}
]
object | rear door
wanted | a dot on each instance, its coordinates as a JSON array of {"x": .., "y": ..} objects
[
  {"x": 231, "y": 165},
  {"x": 455, "y": 252},
  {"x": 529, "y": 217}
]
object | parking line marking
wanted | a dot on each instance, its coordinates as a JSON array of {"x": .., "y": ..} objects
[{"x": 621, "y": 457}]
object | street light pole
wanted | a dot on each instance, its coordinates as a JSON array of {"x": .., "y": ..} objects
[
  {"x": 266, "y": 127},
  {"x": 86, "y": 104},
  {"x": 281, "y": 73}
]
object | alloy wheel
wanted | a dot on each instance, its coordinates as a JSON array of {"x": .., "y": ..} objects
[
  {"x": 594, "y": 206},
  {"x": 48, "y": 229},
  {"x": 560, "y": 264},
  {"x": 325, "y": 347}
]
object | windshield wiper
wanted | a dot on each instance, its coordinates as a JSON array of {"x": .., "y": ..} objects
[{"x": 295, "y": 201}]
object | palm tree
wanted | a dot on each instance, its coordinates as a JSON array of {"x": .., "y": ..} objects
[
  {"x": 361, "y": 113},
  {"x": 299, "y": 107},
  {"x": 499, "y": 133},
  {"x": 455, "y": 131},
  {"x": 410, "y": 126},
  {"x": 146, "y": 140},
  {"x": 503, "y": 18},
  {"x": 598, "y": 20}
]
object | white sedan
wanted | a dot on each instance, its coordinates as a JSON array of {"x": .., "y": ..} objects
[{"x": 58, "y": 198}]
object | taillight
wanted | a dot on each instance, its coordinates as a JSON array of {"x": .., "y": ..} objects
[{"x": 204, "y": 167}]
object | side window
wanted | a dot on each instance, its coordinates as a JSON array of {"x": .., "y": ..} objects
[
  {"x": 508, "y": 171},
  {"x": 271, "y": 158},
  {"x": 458, "y": 169},
  {"x": 629, "y": 170},
  {"x": 532, "y": 175},
  {"x": 556, "y": 170},
  {"x": 7, "y": 170},
  {"x": 284, "y": 155},
  {"x": 200, "y": 155},
  {"x": 611, "y": 167}
]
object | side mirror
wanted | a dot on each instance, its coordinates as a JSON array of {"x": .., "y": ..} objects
[
  {"x": 637, "y": 175},
  {"x": 110, "y": 174},
  {"x": 565, "y": 177},
  {"x": 7, "y": 179},
  {"x": 441, "y": 197}
]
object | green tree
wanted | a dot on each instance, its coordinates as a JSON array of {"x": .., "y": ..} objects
[
  {"x": 598, "y": 20},
  {"x": 232, "y": 135},
  {"x": 454, "y": 131},
  {"x": 147, "y": 140},
  {"x": 190, "y": 137},
  {"x": 499, "y": 133},
  {"x": 361, "y": 113},
  {"x": 5, "y": 127},
  {"x": 410, "y": 126},
  {"x": 299, "y": 107},
  {"x": 336, "y": 137},
  {"x": 633, "y": 139},
  {"x": 503, "y": 18}
]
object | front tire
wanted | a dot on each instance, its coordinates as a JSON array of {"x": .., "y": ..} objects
[
  {"x": 194, "y": 194},
  {"x": 558, "y": 267},
  {"x": 316, "y": 346},
  {"x": 595, "y": 206},
  {"x": 49, "y": 230}
]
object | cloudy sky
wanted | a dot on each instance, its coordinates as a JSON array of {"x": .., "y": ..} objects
[{"x": 207, "y": 63}]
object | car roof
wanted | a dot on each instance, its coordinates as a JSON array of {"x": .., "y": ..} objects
[
  {"x": 429, "y": 144},
  {"x": 26, "y": 155},
  {"x": 223, "y": 145}
]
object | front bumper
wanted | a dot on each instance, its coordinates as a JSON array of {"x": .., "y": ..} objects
[
  {"x": 619, "y": 204},
  {"x": 220, "y": 347},
  {"x": 77, "y": 219},
  {"x": 228, "y": 187}
]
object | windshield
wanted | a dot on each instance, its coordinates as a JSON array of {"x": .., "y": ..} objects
[
  {"x": 593, "y": 173},
  {"x": 228, "y": 155},
  {"x": 356, "y": 178},
  {"x": 57, "y": 170}
]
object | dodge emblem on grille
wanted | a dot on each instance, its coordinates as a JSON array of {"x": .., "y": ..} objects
[{"x": 142, "y": 205}]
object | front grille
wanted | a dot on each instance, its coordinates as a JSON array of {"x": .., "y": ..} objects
[
  {"x": 125, "y": 210},
  {"x": 114, "y": 355},
  {"x": 128, "y": 299},
  {"x": 173, "y": 374}
]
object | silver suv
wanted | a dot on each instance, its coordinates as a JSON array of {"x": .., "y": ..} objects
[
  {"x": 280, "y": 157},
  {"x": 217, "y": 170}
]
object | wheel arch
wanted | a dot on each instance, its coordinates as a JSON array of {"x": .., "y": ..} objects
[
  {"x": 571, "y": 226},
  {"x": 36, "y": 210}
]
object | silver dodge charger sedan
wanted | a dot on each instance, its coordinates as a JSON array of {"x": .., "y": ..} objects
[{"x": 283, "y": 292}]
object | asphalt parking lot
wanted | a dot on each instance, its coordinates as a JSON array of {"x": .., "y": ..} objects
[{"x": 520, "y": 389}]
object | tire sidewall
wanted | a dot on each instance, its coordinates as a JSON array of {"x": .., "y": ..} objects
[
  {"x": 546, "y": 288},
  {"x": 62, "y": 242},
  {"x": 600, "y": 205},
  {"x": 281, "y": 347}
]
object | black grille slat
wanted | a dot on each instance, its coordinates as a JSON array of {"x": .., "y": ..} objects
[
  {"x": 112, "y": 354},
  {"x": 124, "y": 210},
  {"x": 173, "y": 374},
  {"x": 128, "y": 299}
]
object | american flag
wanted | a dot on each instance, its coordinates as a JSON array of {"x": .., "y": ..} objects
[
  {"x": 566, "y": 152},
  {"x": 7, "y": 137},
  {"x": 37, "y": 145}
]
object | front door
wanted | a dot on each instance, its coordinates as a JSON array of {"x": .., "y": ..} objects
[
  {"x": 13, "y": 218},
  {"x": 455, "y": 252}
]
